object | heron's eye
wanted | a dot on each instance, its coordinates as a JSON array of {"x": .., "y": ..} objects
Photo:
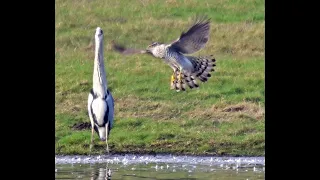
[{"x": 101, "y": 32}]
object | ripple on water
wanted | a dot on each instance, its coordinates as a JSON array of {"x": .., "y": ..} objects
[{"x": 187, "y": 163}]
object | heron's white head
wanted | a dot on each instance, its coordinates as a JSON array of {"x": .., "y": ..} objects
[
  {"x": 99, "y": 34},
  {"x": 99, "y": 44},
  {"x": 101, "y": 131}
]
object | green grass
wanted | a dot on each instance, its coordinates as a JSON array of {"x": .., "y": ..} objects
[{"x": 225, "y": 116}]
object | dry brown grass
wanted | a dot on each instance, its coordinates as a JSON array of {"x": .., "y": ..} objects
[{"x": 225, "y": 112}]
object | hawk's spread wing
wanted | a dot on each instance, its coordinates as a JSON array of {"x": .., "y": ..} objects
[
  {"x": 195, "y": 38},
  {"x": 124, "y": 50}
]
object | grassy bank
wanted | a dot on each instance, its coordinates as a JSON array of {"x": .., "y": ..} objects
[{"x": 224, "y": 116}]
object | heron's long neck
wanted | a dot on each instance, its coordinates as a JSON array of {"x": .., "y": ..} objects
[{"x": 99, "y": 74}]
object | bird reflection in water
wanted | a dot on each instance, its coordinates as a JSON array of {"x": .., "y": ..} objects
[{"x": 102, "y": 174}]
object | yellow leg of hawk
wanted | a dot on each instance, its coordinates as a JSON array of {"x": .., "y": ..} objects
[{"x": 172, "y": 80}]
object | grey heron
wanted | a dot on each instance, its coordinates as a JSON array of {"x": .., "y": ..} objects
[{"x": 100, "y": 100}]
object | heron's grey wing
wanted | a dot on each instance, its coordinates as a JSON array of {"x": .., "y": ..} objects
[
  {"x": 110, "y": 103},
  {"x": 126, "y": 51},
  {"x": 195, "y": 38}
]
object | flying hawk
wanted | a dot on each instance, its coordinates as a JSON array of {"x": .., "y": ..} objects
[{"x": 185, "y": 68}]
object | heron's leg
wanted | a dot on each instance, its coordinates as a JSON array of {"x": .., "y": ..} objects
[
  {"x": 92, "y": 132},
  {"x": 107, "y": 129}
]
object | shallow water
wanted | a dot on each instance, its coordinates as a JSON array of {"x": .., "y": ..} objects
[{"x": 136, "y": 167}]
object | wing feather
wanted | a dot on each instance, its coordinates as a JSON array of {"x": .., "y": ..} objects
[
  {"x": 195, "y": 38},
  {"x": 110, "y": 103}
]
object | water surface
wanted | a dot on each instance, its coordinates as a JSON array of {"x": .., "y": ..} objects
[{"x": 146, "y": 167}]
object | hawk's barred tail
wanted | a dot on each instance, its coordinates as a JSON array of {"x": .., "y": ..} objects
[
  {"x": 203, "y": 66},
  {"x": 192, "y": 83},
  {"x": 186, "y": 80}
]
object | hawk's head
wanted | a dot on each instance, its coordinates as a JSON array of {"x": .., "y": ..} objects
[
  {"x": 156, "y": 49},
  {"x": 152, "y": 46}
]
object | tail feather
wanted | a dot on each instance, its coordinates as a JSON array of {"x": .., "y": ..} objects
[
  {"x": 203, "y": 66},
  {"x": 190, "y": 81},
  {"x": 180, "y": 86}
]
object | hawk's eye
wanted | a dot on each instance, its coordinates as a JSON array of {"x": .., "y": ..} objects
[{"x": 153, "y": 44}]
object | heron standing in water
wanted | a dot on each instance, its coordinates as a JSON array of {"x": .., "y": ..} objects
[{"x": 100, "y": 100}]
